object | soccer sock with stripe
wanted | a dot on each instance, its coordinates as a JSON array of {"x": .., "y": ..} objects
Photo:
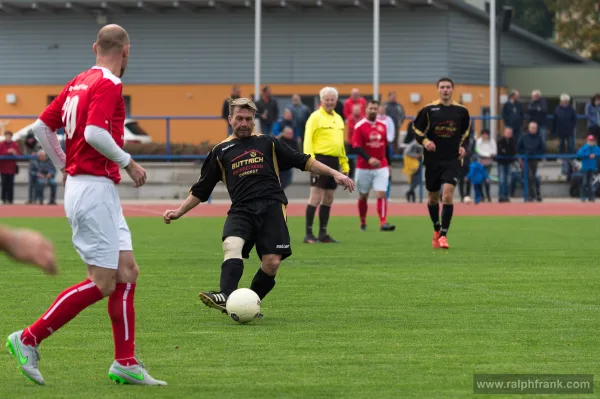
[
  {"x": 122, "y": 316},
  {"x": 324, "y": 211},
  {"x": 434, "y": 214},
  {"x": 67, "y": 305},
  {"x": 310, "y": 218},
  {"x": 262, "y": 283},
  {"x": 382, "y": 210},
  {"x": 447, "y": 211},
  {"x": 362, "y": 211},
  {"x": 231, "y": 274}
]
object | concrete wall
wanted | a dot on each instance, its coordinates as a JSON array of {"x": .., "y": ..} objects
[{"x": 577, "y": 80}]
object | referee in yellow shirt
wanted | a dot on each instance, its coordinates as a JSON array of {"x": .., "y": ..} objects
[{"x": 324, "y": 139}]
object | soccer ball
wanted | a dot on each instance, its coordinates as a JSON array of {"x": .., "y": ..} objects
[
  {"x": 243, "y": 305},
  {"x": 467, "y": 200}
]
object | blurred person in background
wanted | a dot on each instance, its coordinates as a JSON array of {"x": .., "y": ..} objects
[
  {"x": 413, "y": 154},
  {"x": 29, "y": 247},
  {"x": 45, "y": 175},
  {"x": 348, "y": 134},
  {"x": 355, "y": 98},
  {"x": 513, "y": 115},
  {"x": 395, "y": 110},
  {"x": 286, "y": 121},
  {"x": 300, "y": 112},
  {"x": 268, "y": 111},
  {"x": 391, "y": 136},
  {"x": 589, "y": 155},
  {"x": 8, "y": 167},
  {"x": 564, "y": 124},
  {"x": 324, "y": 140},
  {"x": 30, "y": 144},
  {"x": 464, "y": 186},
  {"x": 287, "y": 137},
  {"x": 487, "y": 150},
  {"x": 592, "y": 113},
  {"x": 531, "y": 144},
  {"x": 478, "y": 176},
  {"x": 507, "y": 149},
  {"x": 236, "y": 92},
  {"x": 537, "y": 112}
]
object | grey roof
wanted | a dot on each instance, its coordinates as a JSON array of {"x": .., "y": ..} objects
[{"x": 157, "y": 6}]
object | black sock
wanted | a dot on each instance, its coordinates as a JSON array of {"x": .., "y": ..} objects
[
  {"x": 310, "y": 217},
  {"x": 231, "y": 273},
  {"x": 262, "y": 284},
  {"x": 447, "y": 211},
  {"x": 323, "y": 219},
  {"x": 434, "y": 214}
]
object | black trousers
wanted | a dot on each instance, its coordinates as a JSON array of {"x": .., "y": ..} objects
[{"x": 8, "y": 188}]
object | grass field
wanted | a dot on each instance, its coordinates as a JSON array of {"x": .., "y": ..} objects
[{"x": 380, "y": 315}]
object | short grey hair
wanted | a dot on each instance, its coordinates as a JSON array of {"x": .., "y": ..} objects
[
  {"x": 328, "y": 90},
  {"x": 565, "y": 97}
]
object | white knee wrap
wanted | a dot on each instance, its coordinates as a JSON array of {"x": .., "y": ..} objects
[{"x": 232, "y": 248}]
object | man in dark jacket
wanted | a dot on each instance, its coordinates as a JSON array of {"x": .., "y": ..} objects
[
  {"x": 268, "y": 111},
  {"x": 507, "y": 149},
  {"x": 512, "y": 114},
  {"x": 531, "y": 144},
  {"x": 537, "y": 112},
  {"x": 564, "y": 123},
  {"x": 236, "y": 92}
]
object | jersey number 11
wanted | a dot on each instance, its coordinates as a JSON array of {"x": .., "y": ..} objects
[{"x": 69, "y": 116}]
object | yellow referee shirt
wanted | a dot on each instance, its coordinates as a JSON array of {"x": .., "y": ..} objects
[{"x": 324, "y": 135}]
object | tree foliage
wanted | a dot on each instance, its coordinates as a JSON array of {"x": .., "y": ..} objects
[
  {"x": 532, "y": 15},
  {"x": 577, "y": 24}
]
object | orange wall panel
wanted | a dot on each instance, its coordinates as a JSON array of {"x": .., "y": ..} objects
[{"x": 206, "y": 100}]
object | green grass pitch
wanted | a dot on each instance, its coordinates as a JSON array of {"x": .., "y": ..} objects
[{"x": 380, "y": 315}]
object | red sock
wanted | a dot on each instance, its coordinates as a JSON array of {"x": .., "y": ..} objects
[
  {"x": 382, "y": 209},
  {"x": 362, "y": 211},
  {"x": 122, "y": 316},
  {"x": 66, "y": 306}
]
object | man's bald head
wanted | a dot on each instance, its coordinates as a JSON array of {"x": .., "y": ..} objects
[{"x": 112, "y": 39}]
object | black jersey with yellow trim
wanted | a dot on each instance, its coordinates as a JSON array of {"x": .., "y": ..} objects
[
  {"x": 447, "y": 126},
  {"x": 249, "y": 167}
]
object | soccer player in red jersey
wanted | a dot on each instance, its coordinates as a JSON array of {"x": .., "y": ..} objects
[
  {"x": 92, "y": 111},
  {"x": 369, "y": 142}
]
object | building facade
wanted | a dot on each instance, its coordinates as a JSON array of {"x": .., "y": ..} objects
[{"x": 184, "y": 63}]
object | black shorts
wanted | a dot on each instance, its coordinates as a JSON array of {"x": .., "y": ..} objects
[
  {"x": 440, "y": 173},
  {"x": 325, "y": 182},
  {"x": 260, "y": 223}
]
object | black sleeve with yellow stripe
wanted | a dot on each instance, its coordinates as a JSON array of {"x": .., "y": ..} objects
[
  {"x": 421, "y": 126},
  {"x": 211, "y": 173}
]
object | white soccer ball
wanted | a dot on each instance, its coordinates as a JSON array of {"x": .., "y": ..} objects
[
  {"x": 467, "y": 200},
  {"x": 243, "y": 305}
]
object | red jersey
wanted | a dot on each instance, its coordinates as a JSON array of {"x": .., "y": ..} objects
[
  {"x": 371, "y": 137},
  {"x": 95, "y": 98}
]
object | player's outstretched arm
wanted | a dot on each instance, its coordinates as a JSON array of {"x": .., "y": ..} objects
[
  {"x": 173, "y": 214},
  {"x": 340, "y": 178},
  {"x": 30, "y": 247}
]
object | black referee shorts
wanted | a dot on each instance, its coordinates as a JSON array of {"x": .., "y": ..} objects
[
  {"x": 261, "y": 223},
  {"x": 325, "y": 182},
  {"x": 446, "y": 172}
]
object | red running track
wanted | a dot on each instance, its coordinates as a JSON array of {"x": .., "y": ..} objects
[{"x": 343, "y": 209}]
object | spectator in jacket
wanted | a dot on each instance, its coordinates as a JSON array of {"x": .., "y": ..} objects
[
  {"x": 487, "y": 150},
  {"x": 537, "y": 112},
  {"x": 287, "y": 137},
  {"x": 512, "y": 114},
  {"x": 236, "y": 92},
  {"x": 589, "y": 155},
  {"x": 464, "y": 186},
  {"x": 300, "y": 114},
  {"x": 8, "y": 167},
  {"x": 30, "y": 143},
  {"x": 395, "y": 110},
  {"x": 531, "y": 144},
  {"x": 44, "y": 173},
  {"x": 286, "y": 121},
  {"x": 354, "y": 98},
  {"x": 592, "y": 112},
  {"x": 507, "y": 149},
  {"x": 564, "y": 124},
  {"x": 413, "y": 154},
  {"x": 268, "y": 111},
  {"x": 478, "y": 176}
]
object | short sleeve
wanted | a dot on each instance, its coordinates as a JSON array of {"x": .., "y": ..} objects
[
  {"x": 52, "y": 115},
  {"x": 104, "y": 101},
  {"x": 288, "y": 158},
  {"x": 210, "y": 174}
]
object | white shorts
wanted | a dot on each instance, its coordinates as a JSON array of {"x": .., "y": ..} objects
[
  {"x": 376, "y": 179},
  {"x": 94, "y": 212}
]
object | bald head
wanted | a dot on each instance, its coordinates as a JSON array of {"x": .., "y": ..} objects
[{"x": 112, "y": 39}]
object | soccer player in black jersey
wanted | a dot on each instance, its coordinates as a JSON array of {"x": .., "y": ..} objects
[
  {"x": 442, "y": 128},
  {"x": 249, "y": 164}
]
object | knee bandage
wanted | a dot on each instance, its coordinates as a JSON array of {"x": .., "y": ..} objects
[{"x": 232, "y": 248}]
